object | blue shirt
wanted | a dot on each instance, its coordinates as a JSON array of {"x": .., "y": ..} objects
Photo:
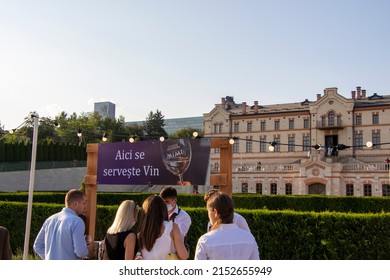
[{"x": 62, "y": 237}]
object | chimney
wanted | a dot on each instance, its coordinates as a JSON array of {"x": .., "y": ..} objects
[
  {"x": 353, "y": 94},
  {"x": 244, "y": 107},
  {"x": 318, "y": 96},
  {"x": 223, "y": 101},
  {"x": 256, "y": 107},
  {"x": 363, "y": 93},
  {"x": 358, "y": 92}
]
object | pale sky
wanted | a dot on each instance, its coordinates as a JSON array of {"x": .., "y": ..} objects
[{"x": 181, "y": 57}]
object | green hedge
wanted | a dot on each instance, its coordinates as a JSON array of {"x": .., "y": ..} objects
[
  {"x": 281, "y": 235},
  {"x": 314, "y": 203},
  {"x": 46, "y": 151}
]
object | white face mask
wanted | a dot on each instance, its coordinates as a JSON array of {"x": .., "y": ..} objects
[{"x": 169, "y": 207}]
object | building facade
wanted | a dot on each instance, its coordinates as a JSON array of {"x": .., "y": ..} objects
[
  {"x": 175, "y": 124},
  {"x": 318, "y": 147},
  {"x": 105, "y": 109}
]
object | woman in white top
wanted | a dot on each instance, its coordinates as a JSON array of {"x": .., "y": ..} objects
[
  {"x": 158, "y": 236},
  {"x": 225, "y": 240}
]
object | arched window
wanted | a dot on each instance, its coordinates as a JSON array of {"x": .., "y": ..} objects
[{"x": 331, "y": 118}]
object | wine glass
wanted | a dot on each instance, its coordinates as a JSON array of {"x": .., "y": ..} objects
[{"x": 176, "y": 155}]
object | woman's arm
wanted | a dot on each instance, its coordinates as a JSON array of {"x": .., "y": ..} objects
[
  {"x": 129, "y": 244},
  {"x": 179, "y": 242}
]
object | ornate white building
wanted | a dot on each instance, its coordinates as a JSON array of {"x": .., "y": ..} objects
[{"x": 319, "y": 146}]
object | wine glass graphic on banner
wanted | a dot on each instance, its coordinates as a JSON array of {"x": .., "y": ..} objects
[{"x": 176, "y": 155}]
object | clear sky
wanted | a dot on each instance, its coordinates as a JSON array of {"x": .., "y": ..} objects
[{"x": 181, "y": 57}]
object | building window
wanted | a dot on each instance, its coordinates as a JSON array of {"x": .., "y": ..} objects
[
  {"x": 215, "y": 167},
  {"x": 291, "y": 124},
  {"x": 249, "y": 145},
  {"x": 277, "y": 146},
  {"x": 274, "y": 188},
  {"x": 217, "y": 150},
  {"x": 349, "y": 190},
  {"x": 305, "y": 143},
  {"x": 244, "y": 187},
  {"x": 358, "y": 140},
  {"x": 358, "y": 119},
  {"x": 288, "y": 188},
  {"x": 259, "y": 188},
  {"x": 386, "y": 190},
  {"x": 331, "y": 118},
  {"x": 306, "y": 123},
  {"x": 236, "y": 147},
  {"x": 249, "y": 126},
  {"x": 236, "y": 127},
  {"x": 262, "y": 126},
  {"x": 376, "y": 140},
  {"x": 263, "y": 146},
  {"x": 367, "y": 190},
  {"x": 338, "y": 120},
  {"x": 277, "y": 124},
  {"x": 217, "y": 127},
  {"x": 291, "y": 143},
  {"x": 375, "y": 118},
  {"x": 323, "y": 121}
]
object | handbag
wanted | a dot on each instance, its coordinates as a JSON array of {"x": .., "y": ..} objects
[{"x": 172, "y": 256}]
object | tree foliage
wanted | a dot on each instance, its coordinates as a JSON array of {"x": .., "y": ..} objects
[
  {"x": 92, "y": 126},
  {"x": 154, "y": 126},
  {"x": 186, "y": 133}
]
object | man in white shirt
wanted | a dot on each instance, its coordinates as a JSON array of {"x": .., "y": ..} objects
[
  {"x": 176, "y": 214},
  {"x": 225, "y": 240},
  {"x": 237, "y": 218}
]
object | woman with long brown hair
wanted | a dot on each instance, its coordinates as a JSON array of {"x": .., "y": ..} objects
[{"x": 157, "y": 236}]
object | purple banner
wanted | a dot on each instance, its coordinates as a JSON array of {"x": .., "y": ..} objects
[{"x": 172, "y": 162}]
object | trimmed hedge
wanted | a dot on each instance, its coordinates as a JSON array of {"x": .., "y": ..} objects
[
  {"x": 281, "y": 235},
  {"x": 46, "y": 151},
  {"x": 314, "y": 203}
]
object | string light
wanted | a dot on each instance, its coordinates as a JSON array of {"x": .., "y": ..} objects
[{"x": 318, "y": 147}]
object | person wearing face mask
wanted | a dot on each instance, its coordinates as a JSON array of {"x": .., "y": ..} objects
[
  {"x": 120, "y": 242},
  {"x": 175, "y": 213}
]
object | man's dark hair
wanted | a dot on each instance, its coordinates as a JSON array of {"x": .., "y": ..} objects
[{"x": 168, "y": 192}]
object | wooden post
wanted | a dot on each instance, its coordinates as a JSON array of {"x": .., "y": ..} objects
[
  {"x": 224, "y": 179},
  {"x": 90, "y": 183}
]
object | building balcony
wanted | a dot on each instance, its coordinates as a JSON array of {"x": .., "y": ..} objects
[{"x": 326, "y": 124}]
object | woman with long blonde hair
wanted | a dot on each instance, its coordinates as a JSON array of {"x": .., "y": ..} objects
[{"x": 120, "y": 241}]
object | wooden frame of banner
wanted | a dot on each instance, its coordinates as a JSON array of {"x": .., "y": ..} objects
[
  {"x": 222, "y": 180},
  {"x": 90, "y": 183}
]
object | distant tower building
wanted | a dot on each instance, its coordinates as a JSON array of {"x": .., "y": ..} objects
[{"x": 105, "y": 109}]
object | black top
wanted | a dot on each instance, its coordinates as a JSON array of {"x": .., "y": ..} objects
[{"x": 114, "y": 245}]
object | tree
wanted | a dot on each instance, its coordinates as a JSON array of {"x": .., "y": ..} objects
[
  {"x": 186, "y": 133},
  {"x": 154, "y": 126},
  {"x": 136, "y": 131}
]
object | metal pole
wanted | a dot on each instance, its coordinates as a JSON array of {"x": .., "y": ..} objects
[{"x": 31, "y": 186}]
